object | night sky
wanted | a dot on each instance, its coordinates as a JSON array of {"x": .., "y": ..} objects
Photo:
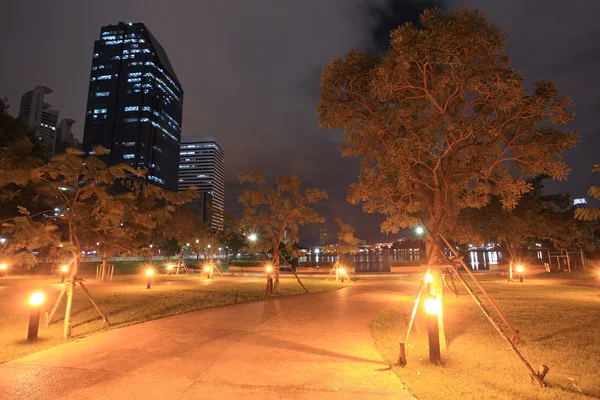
[{"x": 250, "y": 72}]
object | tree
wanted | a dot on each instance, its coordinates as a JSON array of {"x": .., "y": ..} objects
[
  {"x": 347, "y": 243},
  {"x": 278, "y": 212},
  {"x": 442, "y": 122},
  {"x": 535, "y": 216},
  {"x": 590, "y": 214},
  {"x": 185, "y": 227}
]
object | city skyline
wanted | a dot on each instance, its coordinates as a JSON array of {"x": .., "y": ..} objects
[{"x": 222, "y": 70}]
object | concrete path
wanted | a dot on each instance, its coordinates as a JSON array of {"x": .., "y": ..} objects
[{"x": 317, "y": 346}]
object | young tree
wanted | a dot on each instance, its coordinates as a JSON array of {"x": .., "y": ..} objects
[
  {"x": 442, "y": 122},
  {"x": 278, "y": 211},
  {"x": 347, "y": 243},
  {"x": 185, "y": 227},
  {"x": 593, "y": 213}
]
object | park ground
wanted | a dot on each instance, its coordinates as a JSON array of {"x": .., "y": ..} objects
[
  {"x": 126, "y": 301},
  {"x": 558, "y": 319}
]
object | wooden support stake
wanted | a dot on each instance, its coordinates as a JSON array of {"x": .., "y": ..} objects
[
  {"x": 532, "y": 373},
  {"x": 470, "y": 273},
  {"x": 104, "y": 317},
  {"x": 293, "y": 272},
  {"x": 582, "y": 258},
  {"x": 56, "y": 304},
  {"x": 67, "y": 328},
  {"x": 402, "y": 354},
  {"x": 542, "y": 371},
  {"x": 568, "y": 261},
  {"x": 217, "y": 268}
]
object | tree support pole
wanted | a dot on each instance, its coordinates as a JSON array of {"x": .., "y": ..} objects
[
  {"x": 534, "y": 376},
  {"x": 470, "y": 273},
  {"x": 297, "y": 278},
  {"x": 56, "y": 304},
  {"x": 104, "y": 317},
  {"x": 402, "y": 355},
  {"x": 67, "y": 328}
]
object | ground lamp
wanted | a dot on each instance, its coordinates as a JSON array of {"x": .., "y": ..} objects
[
  {"x": 520, "y": 272},
  {"x": 63, "y": 272},
  {"x": 432, "y": 308},
  {"x": 268, "y": 270},
  {"x": 208, "y": 270},
  {"x": 169, "y": 269},
  {"x": 149, "y": 273},
  {"x": 35, "y": 301},
  {"x": 3, "y": 267},
  {"x": 342, "y": 273},
  {"x": 428, "y": 281}
]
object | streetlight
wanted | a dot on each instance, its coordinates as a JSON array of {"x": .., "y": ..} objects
[
  {"x": 252, "y": 237},
  {"x": 419, "y": 230},
  {"x": 63, "y": 272},
  {"x": 520, "y": 270},
  {"x": 3, "y": 267},
  {"x": 149, "y": 273},
  {"x": 433, "y": 307},
  {"x": 36, "y": 299}
]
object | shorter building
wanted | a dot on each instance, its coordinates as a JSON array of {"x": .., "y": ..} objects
[
  {"x": 322, "y": 237},
  {"x": 38, "y": 115},
  {"x": 202, "y": 166},
  {"x": 64, "y": 137}
]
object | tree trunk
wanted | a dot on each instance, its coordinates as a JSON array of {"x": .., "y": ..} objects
[
  {"x": 276, "y": 266},
  {"x": 434, "y": 260},
  {"x": 104, "y": 266}
]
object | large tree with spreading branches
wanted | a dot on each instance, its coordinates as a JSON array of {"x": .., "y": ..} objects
[
  {"x": 277, "y": 212},
  {"x": 442, "y": 122}
]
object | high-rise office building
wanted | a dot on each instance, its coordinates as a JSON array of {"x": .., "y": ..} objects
[
  {"x": 37, "y": 114},
  {"x": 202, "y": 165},
  {"x": 135, "y": 103},
  {"x": 322, "y": 237}
]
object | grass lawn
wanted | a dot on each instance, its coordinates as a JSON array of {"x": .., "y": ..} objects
[
  {"x": 559, "y": 327},
  {"x": 126, "y": 301}
]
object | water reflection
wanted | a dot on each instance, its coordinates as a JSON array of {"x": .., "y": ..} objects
[{"x": 382, "y": 261}]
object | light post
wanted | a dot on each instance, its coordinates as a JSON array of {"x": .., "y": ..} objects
[
  {"x": 149, "y": 273},
  {"x": 432, "y": 308},
  {"x": 63, "y": 273},
  {"x": 35, "y": 301},
  {"x": 269, "y": 272},
  {"x": 520, "y": 270},
  {"x": 3, "y": 268}
]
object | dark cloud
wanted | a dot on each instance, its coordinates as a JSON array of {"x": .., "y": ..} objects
[{"x": 250, "y": 71}]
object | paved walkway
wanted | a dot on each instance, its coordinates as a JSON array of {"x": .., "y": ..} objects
[{"x": 309, "y": 347}]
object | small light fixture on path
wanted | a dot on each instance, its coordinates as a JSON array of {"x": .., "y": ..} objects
[
  {"x": 149, "y": 273},
  {"x": 3, "y": 268},
  {"x": 63, "y": 272},
  {"x": 169, "y": 269},
  {"x": 520, "y": 270},
  {"x": 36, "y": 300},
  {"x": 209, "y": 271},
  {"x": 433, "y": 307}
]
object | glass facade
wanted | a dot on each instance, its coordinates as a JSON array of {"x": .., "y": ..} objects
[{"x": 135, "y": 103}]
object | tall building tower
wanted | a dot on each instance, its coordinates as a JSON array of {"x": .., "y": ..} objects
[
  {"x": 322, "y": 237},
  {"x": 202, "y": 165},
  {"x": 40, "y": 117},
  {"x": 135, "y": 103},
  {"x": 64, "y": 136}
]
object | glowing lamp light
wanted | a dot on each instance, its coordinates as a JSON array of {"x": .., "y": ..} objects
[
  {"x": 149, "y": 272},
  {"x": 428, "y": 277},
  {"x": 252, "y": 237},
  {"x": 170, "y": 267},
  {"x": 37, "y": 298},
  {"x": 64, "y": 268},
  {"x": 207, "y": 268},
  {"x": 519, "y": 268},
  {"x": 268, "y": 268},
  {"x": 342, "y": 271},
  {"x": 432, "y": 306},
  {"x": 3, "y": 266},
  {"x": 419, "y": 230}
]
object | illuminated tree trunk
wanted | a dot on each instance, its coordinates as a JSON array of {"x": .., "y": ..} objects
[{"x": 434, "y": 261}]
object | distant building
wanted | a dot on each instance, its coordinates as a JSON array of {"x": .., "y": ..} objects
[
  {"x": 38, "y": 115},
  {"x": 580, "y": 203},
  {"x": 135, "y": 103},
  {"x": 202, "y": 165},
  {"x": 64, "y": 137},
  {"x": 322, "y": 237}
]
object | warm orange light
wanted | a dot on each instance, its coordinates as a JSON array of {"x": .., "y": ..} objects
[
  {"x": 428, "y": 277},
  {"x": 268, "y": 268},
  {"x": 170, "y": 267},
  {"x": 207, "y": 268},
  {"x": 64, "y": 268},
  {"x": 3, "y": 266},
  {"x": 149, "y": 272},
  {"x": 342, "y": 271},
  {"x": 432, "y": 306},
  {"x": 519, "y": 268},
  {"x": 36, "y": 298}
]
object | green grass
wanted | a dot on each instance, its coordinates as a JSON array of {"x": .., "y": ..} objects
[
  {"x": 559, "y": 328},
  {"x": 126, "y": 302}
]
